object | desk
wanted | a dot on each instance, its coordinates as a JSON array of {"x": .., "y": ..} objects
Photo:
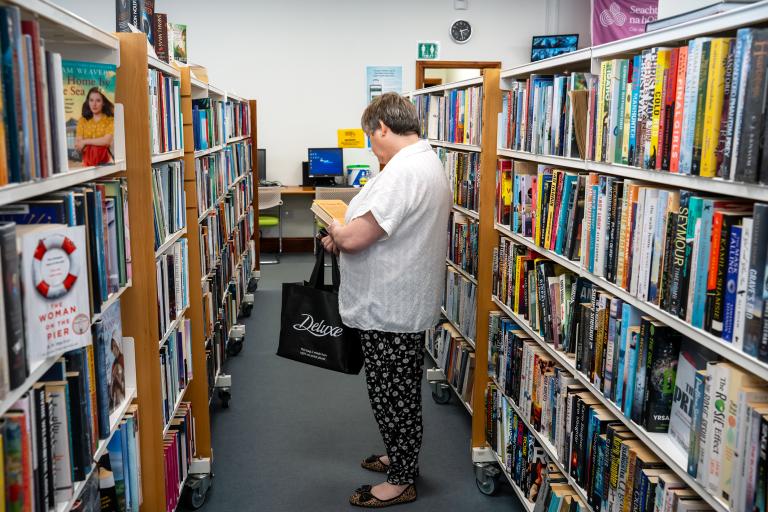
[{"x": 298, "y": 191}]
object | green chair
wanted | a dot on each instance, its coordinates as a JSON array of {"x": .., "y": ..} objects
[{"x": 271, "y": 197}]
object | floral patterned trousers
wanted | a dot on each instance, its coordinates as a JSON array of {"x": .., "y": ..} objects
[{"x": 394, "y": 364}]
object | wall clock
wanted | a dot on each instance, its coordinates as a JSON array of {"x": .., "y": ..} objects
[{"x": 461, "y": 31}]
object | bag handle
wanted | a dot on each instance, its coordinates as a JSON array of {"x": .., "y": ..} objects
[{"x": 317, "y": 279}]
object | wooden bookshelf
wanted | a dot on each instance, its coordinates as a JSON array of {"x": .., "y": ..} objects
[
  {"x": 140, "y": 303},
  {"x": 660, "y": 444}
]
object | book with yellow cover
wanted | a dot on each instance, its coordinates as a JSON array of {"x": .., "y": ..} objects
[
  {"x": 662, "y": 67},
  {"x": 328, "y": 210},
  {"x": 714, "y": 104}
]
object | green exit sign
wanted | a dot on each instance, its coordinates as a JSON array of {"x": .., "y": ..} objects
[{"x": 428, "y": 50}]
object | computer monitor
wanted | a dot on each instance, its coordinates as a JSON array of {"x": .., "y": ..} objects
[
  {"x": 261, "y": 157},
  {"x": 325, "y": 164}
]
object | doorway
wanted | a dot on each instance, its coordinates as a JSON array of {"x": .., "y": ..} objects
[{"x": 437, "y": 72}]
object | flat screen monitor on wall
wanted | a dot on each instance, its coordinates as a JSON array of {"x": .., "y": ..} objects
[
  {"x": 544, "y": 47},
  {"x": 325, "y": 162},
  {"x": 262, "y": 163}
]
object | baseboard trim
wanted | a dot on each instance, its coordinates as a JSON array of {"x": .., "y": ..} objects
[{"x": 290, "y": 245}]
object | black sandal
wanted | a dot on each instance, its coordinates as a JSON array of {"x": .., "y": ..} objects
[
  {"x": 364, "y": 498},
  {"x": 373, "y": 463}
]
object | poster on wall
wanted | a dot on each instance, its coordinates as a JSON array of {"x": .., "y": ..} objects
[
  {"x": 381, "y": 79},
  {"x": 618, "y": 19}
]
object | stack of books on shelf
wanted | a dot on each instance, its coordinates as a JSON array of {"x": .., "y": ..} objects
[
  {"x": 178, "y": 450},
  {"x": 238, "y": 118},
  {"x": 165, "y": 112},
  {"x": 455, "y": 357},
  {"x": 100, "y": 208},
  {"x": 655, "y": 378},
  {"x": 463, "y": 171},
  {"x": 208, "y": 123},
  {"x": 455, "y": 116},
  {"x": 168, "y": 200},
  {"x": 521, "y": 457},
  {"x": 44, "y": 122},
  {"x": 460, "y": 303},
  {"x": 175, "y": 367},
  {"x": 462, "y": 243},
  {"x": 545, "y": 115},
  {"x": 697, "y": 257},
  {"x": 169, "y": 40},
  {"x": 172, "y": 284}
]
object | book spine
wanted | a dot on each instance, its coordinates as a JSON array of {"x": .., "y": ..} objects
[
  {"x": 706, "y": 54},
  {"x": 713, "y": 108},
  {"x": 679, "y": 111},
  {"x": 739, "y": 314},
  {"x": 755, "y": 285},
  {"x": 667, "y": 117},
  {"x": 732, "y": 278},
  {"x": 689, "y": 110},
  {"x": 696, "y": 419},
  {"x": 750, "y": 138},
  {"x": 725, "y": 112},
  {"x": 664, "y": 349},
  {"x": 14, "y": 321},
  {"x": 662, "y": 68},
  {"x": 637, "y": 65},
  {"x": 649, "y": 88},
  {"x": 738, "y": 57}
]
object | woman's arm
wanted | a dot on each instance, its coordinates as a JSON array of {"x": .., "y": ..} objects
[
  {"x": 105, "y": 140},
  {"x": 358, "y": 235}
]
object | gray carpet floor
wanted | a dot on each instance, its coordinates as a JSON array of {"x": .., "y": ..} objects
[{"x": 293, "y": 435}]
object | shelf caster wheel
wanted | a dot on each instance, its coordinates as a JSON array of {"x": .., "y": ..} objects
[
  {"x": 225, "y": 395},
  {"x": 234, "y": 347},
  {"x": 441, "y": 394},
  {"x": 245, "y": 310},
  {"x": 196, "y": 491},
  {"x": 253, "y": 285},
  {"x": 487, "y": 478}
]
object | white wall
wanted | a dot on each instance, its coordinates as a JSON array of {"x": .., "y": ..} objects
[{"x": 304, "y": 60}]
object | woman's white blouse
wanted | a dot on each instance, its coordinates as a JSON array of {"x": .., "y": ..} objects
[{"x": 396, "y": 285}]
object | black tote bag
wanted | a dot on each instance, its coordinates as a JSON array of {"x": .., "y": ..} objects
[{"x": 311, "y": 330}]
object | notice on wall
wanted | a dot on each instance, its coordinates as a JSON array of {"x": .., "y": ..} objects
[
  {"x": 618, "y": 19},
  {"x": 351, "y": 138},
  {"x": 381, "y": 79}
]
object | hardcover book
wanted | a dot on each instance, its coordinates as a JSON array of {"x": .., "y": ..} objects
[
  {"x": 177, "y": 39},
  {"x": 110, "y": 364},
  {"x": 89, "y": 98},
  {"x": 55, "y": 284}
]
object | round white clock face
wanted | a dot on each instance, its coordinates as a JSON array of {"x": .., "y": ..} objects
[{"x": 461, "y": 31}]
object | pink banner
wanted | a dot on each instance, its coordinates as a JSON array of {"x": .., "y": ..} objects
[{"x": 618, "y": 19}]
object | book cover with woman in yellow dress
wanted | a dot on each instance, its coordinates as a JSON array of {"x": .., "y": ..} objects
[{"x": 89, "y": 96}]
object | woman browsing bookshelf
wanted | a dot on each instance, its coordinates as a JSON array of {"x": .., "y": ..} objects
[{"x": 392, "y": 249}]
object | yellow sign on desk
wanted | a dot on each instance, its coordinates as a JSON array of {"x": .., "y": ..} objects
[{"x": 351, "y": 138}]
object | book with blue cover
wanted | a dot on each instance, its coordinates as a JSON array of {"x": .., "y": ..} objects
[{"x": 110, "y": 365}]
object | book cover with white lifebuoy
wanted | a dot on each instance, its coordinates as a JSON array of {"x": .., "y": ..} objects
[{"x": 55, "y": 286}]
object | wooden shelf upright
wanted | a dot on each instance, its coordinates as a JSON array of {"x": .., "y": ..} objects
[
  {"x": 487, "y": 240},
  {"x": 139, "y": 302},
  {"x": 256, "y": 174},
  {"x": 197, "y": 393}
]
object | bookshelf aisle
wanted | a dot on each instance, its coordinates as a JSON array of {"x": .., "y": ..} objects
[
  {"x": 67, "y": 375},
  {"x": 624, "y": 272}
]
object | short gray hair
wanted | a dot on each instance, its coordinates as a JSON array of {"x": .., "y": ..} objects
[{"x": 398, "y": 113}]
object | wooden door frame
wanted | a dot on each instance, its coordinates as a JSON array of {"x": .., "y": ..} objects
[{"x": 422, "y": 65}]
